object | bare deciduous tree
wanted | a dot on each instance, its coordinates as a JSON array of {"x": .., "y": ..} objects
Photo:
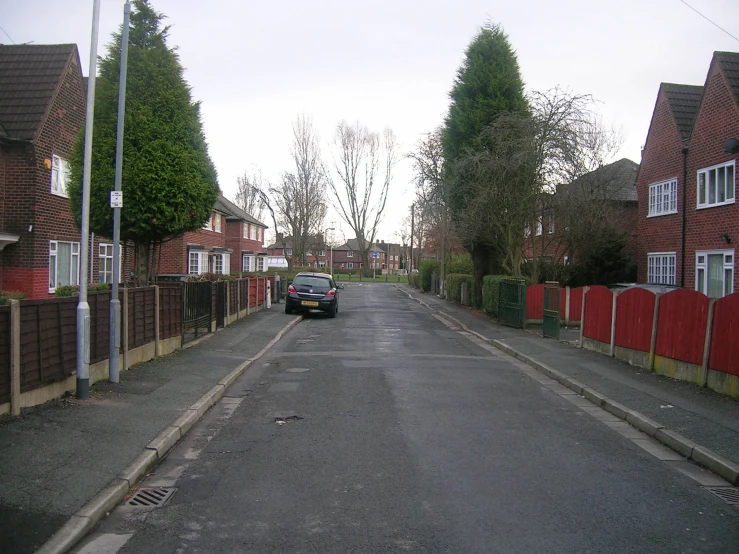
[
  {"x": 248, "y": 198},
  {"x": 364, "y": 163},
  {"x": 428, "y": 167},
  {"x": 300, "y": 197}
]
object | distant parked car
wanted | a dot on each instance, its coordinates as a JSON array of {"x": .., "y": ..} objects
[
  {"x": 653, "y": 287},
  {"x": 313, "y": 291}
]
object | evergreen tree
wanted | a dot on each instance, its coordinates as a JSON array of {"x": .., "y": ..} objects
[
  {"x": 487, "y": 84},
  {"x": 169, "y": 182}
]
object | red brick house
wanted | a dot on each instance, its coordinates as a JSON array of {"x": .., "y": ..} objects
[
  {"x": 42, "y": 109},
  {"x": 232, "y": 241},
  {"x": 608, "y": 193},
  {"x": 688, "y": 218},
  {"x": 283, "y": 248}
]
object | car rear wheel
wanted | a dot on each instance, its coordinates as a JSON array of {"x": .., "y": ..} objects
[
  {"x": 333, "y": 311},
  {"x": 288, "y": 309}
]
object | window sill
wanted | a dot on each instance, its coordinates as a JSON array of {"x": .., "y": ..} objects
[
  {"x": 662, "y": 214},
  {"x": 716, "y": 205},
  {"x": 59, "y": 194}
]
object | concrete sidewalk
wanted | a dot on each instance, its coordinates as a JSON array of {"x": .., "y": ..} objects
[
  {"x": 64, "y": 464},
  {"x": 696, "y": 422}
]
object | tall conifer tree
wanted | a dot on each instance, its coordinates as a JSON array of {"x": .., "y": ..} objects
[
  {"x": 169, "y": 182},
  {"x": 487, "y": 84}
]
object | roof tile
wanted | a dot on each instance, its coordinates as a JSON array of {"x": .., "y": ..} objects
[{"x": 29, "y": 76}]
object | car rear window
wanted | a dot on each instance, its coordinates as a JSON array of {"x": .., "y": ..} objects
[{"x": 313, "y": 282}]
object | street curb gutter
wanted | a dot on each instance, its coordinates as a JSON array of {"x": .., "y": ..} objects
[
  {"x": 680, "y": 444},
  {"x": 96, "y": 509}
]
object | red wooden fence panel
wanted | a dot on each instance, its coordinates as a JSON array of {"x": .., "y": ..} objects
[
  {"x": 724, "y": 355},
  {"x": 48, "y": 341},
  {"x": 243, "y": 294},
  {"x": 681, "y": 327},
  {"x": 252, "y": 292},
  {"x": 562, "y": 302},
  {"x": 261, "y": 287},
  {"x": 634, "y": 319},
  {"x": 598, "y": 314},
  {"x": 576, "y": 303},
  {"x": 535, "y": 302},
  {"x": 233, "y": 296}
]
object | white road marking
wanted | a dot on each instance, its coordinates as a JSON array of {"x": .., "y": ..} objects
[{"x": 106, "y": 544}]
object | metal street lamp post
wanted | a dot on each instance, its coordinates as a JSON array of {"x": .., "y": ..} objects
[{"x": 331, "y": 258}]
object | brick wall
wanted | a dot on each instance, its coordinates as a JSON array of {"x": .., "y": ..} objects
[
  {"x": 717, "y": 121},
  {"x": 661, "y": 160},
  {"x": 30, "y": 209}
]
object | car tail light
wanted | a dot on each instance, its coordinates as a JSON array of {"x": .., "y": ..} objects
[
  {"x": 291, "y": 289},
  {"x": 331, "y": 293}
]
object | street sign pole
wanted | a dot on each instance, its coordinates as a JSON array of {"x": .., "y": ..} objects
[{"x": 116, "y": 203}]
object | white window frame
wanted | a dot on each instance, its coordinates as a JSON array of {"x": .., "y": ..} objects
[
  {"x": 701, "y": 265},
  {"x": 350, "y": 254},
  {"x": 252, "y": 232},
  {"x": 201, "y": 257},
  {"x": 217, "y": 222},
  {"x": 59, "y": 176},
  {"x": 288, "y": 251},
  {"x": 551, "y": 224},
  {"x": 349, "y": 265},
  {"x": 260, "y": 264},
  {"x": 661, "y": 268},
  {"x": 704, "y": 178},
  {"x": 663, "y": 198},
  {"x": 74, "y": 263},
  {"x": 105, "y": 257},
  {"x": 527, "y": 231},
  {"x": 247, "y": 263},
  {"x": 209, "y": 224},
  {"x": 245, "y": 232},
  {"x": 539, "y": 226},
  {"x": 217, "y": 263}
]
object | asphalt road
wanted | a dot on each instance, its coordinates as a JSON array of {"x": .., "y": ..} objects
[{"x": 387, "y": 430}]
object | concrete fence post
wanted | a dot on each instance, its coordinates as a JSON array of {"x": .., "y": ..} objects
[
  {"x": 707, "y": 343},
  {"x": 567, "y": 306},
  {"x": 238, "y": 297},
  {"x": 228, "y": 303},
  {"x": 15, "y": 357},
  {"x": 582, "y": 315},
  {"x": 613, "y": 324},
  {"x": 653, "y": 340},
  {"x": 157, "y": 337},
  {"x": 124, "y": 317}
]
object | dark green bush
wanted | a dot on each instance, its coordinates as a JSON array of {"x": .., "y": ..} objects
[
  {"x": 459, "y": 263},
  {"x": 425, "y": 269},
  {"x": 454, "y": 285},
  {"x": 66, "y": 291},
  {"x": 6, "y": 295},
  {"x": 490, "y": 289},
  {"x": 413, "y": 280}
]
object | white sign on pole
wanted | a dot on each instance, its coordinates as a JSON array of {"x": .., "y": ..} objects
[{"x": 116, "y": 198}]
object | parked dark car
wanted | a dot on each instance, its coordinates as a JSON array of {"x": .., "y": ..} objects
[
  {"x": 313, "y": 291},
  {"x": 653, "y": 287}
]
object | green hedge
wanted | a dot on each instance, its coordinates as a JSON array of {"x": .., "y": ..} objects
[
  {"x": 459, "y": 263},
  {"x": 6, "y": 295},
  {"x": 490, "y": 288},
  {"x": 454, "y": 283},
  {"x": 413, "y": 280},
  {"x": 425, "y": 269}
]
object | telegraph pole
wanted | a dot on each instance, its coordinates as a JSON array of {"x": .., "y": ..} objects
[
  {"x": 83, "y": 308},
  {"x": 116, "y": 202}
]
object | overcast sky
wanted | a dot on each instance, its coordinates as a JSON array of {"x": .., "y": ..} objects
[{"x": 391, "y": 63}]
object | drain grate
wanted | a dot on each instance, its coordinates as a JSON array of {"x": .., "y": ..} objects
[
  {"x": 730, "y": 495},
  {"x": 151, "y": 497}
]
